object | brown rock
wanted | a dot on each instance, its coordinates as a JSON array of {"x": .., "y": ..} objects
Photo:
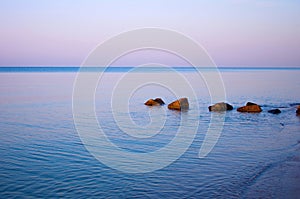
[
  {"x": 250, "y": 108},
  {"x": 222, "y": 106},
  {"x": 298, "y": 110},
  {"x": 155, "y": 102},
  {"x": 180, "y": 104}
]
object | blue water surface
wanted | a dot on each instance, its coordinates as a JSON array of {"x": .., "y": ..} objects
[{"x": 42, "y": 155}]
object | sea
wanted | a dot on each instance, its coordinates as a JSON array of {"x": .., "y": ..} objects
[{"x": 71, "y": 132}]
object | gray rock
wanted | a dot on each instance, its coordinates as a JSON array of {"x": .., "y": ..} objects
[
  {"x": 222, "y": 106},
  {"x": 274, "y": 111}
]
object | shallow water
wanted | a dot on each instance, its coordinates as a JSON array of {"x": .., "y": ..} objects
[{"x": 256, "y": 155}]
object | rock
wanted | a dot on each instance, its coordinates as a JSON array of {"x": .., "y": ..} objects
[
  {"x": 250, "y": 108},
  {"x": 160, "y": 101},
  {"x": 155, "y": 102},
  {"x": 151, "y": 102},
  {"x": 250, "y": 104},
  {"x": 222, "y": 106},
  {"x": 274, "y": 111},
  {"x": 180, "y": 104},
  {"x": 295, "y": 104},
  {"x": 298, "y": 110}
]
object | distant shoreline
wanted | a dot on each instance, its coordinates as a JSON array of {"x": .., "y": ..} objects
[{"x": 12, "y": 69}]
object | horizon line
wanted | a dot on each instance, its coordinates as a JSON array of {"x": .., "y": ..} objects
[
  {"x": 128, "y": 66},
  {"x": 41, "y": 69}
]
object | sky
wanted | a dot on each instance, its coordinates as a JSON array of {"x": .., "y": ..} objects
[{"x": 234, "y": 32}]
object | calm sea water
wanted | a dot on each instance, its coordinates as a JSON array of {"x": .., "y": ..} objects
[{"x": 42, "y": 155}]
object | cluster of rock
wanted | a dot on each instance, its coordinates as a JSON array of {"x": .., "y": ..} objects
[
  {"x": 250, "y": 107},
  {"x": 180, "y": 104},
  {"x": 183, "y": 104}
]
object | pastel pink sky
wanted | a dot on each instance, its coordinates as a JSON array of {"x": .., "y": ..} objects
[{"x": 234, "y": 32}]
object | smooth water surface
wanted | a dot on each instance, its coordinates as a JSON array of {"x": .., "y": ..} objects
[{"x": 257, "y": 155}]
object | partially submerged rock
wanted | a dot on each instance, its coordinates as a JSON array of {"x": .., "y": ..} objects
[
  {"x": 180, "y": 104},
  {"x": 155, "y": 102},
  {"x": 274, "y": 111},
  {"x": 222, "y": 106},
  {"x": 250, "y": 108},
  {"x": 250, "y": 104},
  {"x": 298, "y": 110}
]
